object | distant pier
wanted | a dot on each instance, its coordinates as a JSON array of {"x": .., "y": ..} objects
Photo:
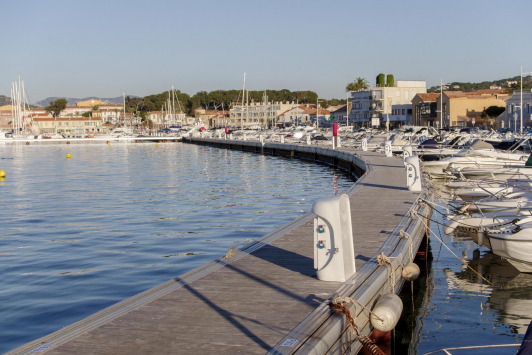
[{"x": 265, "y": 298}]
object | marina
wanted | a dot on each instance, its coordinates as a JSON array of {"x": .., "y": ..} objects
[{"x": 266, "y": 268}]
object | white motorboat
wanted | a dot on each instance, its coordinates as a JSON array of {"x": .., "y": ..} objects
[{"x": 514, "y": 243}]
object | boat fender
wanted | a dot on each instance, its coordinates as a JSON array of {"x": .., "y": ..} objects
[
  {"x": 452, "y": 226},
  {"x": 410, "y": 272},
  {"x": 386, "y": 312},
  {"x": 481, "y": 236}
]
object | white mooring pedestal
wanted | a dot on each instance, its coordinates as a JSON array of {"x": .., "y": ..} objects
[
  {"x": 334, "y": 256},
  {"x": 413, "y": 174}
]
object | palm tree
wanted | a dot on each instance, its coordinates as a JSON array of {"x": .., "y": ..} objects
[{"x": 357, "y": 85}]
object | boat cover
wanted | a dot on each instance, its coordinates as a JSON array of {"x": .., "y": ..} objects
[{"x": 478, "y": 145}]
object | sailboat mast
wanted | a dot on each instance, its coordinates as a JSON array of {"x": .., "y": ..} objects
[{"x": 243, "y": 98}]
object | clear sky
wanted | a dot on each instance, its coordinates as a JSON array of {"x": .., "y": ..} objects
[{"x": 101, "y": 48}]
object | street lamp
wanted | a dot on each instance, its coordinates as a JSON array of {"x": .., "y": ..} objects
[
  {"x": 317, "y": 112},
  {"x": 521, "y": 113}
]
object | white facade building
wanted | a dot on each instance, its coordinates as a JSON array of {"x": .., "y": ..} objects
[
  {"x": 258, "y": 113},
  {"x": 370, "y": 107},
  {"x": 512, "y": 115}
]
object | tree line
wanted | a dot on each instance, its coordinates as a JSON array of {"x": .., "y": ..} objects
[{"x": 215, "y": 100}]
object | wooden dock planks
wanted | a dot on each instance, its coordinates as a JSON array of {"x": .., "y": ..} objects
[{"x": 249, "y": 305}]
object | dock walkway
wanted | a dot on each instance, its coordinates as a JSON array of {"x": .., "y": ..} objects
[{"x": 250, "y": 302}]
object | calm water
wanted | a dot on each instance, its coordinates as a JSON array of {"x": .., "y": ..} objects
[
  {"x": 82, "y": 234},
  {"x": 453, "y": 306}
]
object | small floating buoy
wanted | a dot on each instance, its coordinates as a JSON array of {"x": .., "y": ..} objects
[
  {"x": 68, "y": 156},
  {"x": 108, "y": 142},
  {"x": 109, "y": 145},
  {"x": 410, "y": 272},
  {"x": 2, "y": 174},
  {"x": 156, "y": 144},
  {"x": 27, "y": 143},
  {"x": 386, "y": 312},
  {"x": 68, "y": 142},
  {"x": 292, "y": 154}
]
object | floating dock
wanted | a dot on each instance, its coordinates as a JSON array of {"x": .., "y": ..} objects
[{"x": 265, "y": 298}]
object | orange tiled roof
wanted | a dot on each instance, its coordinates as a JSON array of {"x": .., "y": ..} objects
[{"x": 429, "y": 97}]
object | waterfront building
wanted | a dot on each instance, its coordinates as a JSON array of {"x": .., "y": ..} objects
[
  {"x": 371, "y": 107},
  {"x": 70, "y": 125},
  {"x": 511, "y": 117},
  {"x": 459, "y": 108},
  {"x": 259, "y": 113},
  {"x": 167, "y": 119},
  {"x": 424, "y": 107}
]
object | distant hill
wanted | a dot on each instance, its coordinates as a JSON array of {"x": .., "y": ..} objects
[
  {"x": 468, "y": 87},
  {"x": 72, "y": 101},
  {"x": 4, "y": 100}
]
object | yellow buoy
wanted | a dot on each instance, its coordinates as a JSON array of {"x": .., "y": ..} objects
[
  {"x": 156, "y": 144},
  {"x": 109, "y": 145},
  {"x": 68, "y": 156},
  {"x": 2, "y": 174}
]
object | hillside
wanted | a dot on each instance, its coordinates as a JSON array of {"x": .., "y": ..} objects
[
  {"x": 4, "y": 100},
  {"x": 72, "y": 101},
  {"x": 467, "y": 87}
]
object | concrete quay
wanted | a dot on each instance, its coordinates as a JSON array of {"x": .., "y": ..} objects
[{"x": 265, "y": 298}]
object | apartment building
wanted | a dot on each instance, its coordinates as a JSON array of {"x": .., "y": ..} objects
[
  {"x": 424, "y": 107},
  {"x": 511, "y": 117},
  {"x": 259, "y": 113},
  {"x": 459, "y": 108},
  {"x": 373, "y": 107}
]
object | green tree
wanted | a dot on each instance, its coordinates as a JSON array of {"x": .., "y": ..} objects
[
  {"x": 390, "y": 81},
  {"x": 95, "y": 108},
  {"x": 357, "y": 85},
  {"x": 55, "y": 107},
  {"x": 380, "y": 80},
  {"x": 516, "y": 87},
  {"x": 86, "y": 114},
  {"x": 492, "y": 111}
]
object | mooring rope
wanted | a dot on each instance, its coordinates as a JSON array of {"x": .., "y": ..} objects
[{"x": 414, "y": 213}]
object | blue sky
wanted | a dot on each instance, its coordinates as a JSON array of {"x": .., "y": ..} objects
[{"x": 101, "y": 48}]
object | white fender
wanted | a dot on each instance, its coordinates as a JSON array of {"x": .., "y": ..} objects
[
  {"x": 388, "y": 310},
  {"x": 308, "y": 140},
  {"x": 410, "y": 272},
  {"x": 413, "y": 174},
  {"x": 480, "y": 237},
  {"x": 282, "y": 139}
]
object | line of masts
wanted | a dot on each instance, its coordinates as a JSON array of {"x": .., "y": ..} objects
[{"x": 21, "y": 118}]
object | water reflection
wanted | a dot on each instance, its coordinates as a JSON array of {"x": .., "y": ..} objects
[{"x": 452, "y": 305}]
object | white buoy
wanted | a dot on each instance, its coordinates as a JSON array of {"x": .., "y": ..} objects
[
  {"x": 410, "y": 272},
  {"x": 388, "y": 310}
]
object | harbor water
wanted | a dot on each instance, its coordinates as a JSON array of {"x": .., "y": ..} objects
[
  {"x": 453, "y": 305},
  {"x": 82, "y": 234}
]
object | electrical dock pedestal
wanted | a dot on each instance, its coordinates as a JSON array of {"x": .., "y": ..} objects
[{"x": 267, "y": 297}]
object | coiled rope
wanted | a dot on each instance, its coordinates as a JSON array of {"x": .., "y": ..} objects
[{"x": 339, "y": 305}]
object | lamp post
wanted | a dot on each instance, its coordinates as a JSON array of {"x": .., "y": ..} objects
[
  {"x": 521, "y": 113},
  {"x": 318, "y": 112}
]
